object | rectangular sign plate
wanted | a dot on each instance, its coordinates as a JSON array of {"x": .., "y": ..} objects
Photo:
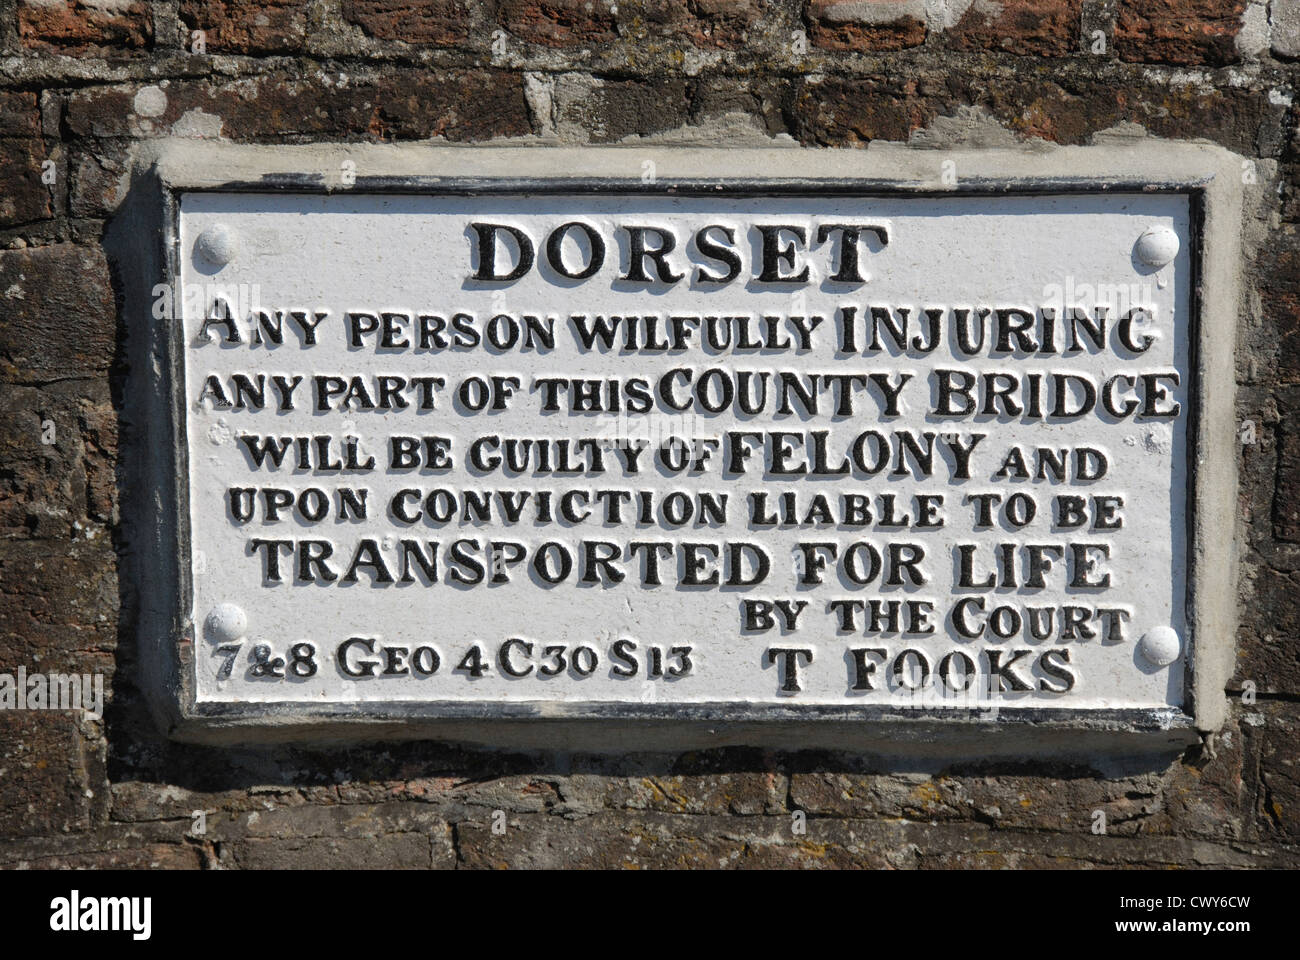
[{"x": 625, "y": 449}]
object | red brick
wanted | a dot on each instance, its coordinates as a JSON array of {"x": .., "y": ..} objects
[
  {"x": 84, "y": 26},
  {"x": 473, "y": 105},
  {"x": 558, "y": 23},
  {"x": 838, "y": 111},
  {"x": 246, "y": 26},
  {"x": 19, "y": 114},
  {"x": 865, "y": 25},
  {"x": 841, "y": 112},
  {"x": 1178, "y": 31},
  {"x": 1048, "y": 28},
  {"x": 439, "y": 22},
  {"x": 708, "y": 24}
]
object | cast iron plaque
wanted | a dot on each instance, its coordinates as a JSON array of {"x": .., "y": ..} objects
[{"x": 594, "y": 450}]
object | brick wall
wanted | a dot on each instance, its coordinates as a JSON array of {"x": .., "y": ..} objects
[{"x": 84, "y": 81}]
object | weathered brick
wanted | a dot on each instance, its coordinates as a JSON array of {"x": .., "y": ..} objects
[
  {"x": 559, "y": 23},
  {"x": 1286, "y": 495},
  {"x": 438, "y": 22},
  {"x": 47, "y": 772},
  {"x": 1072, "y": 114},
  {"x": 744, "y": 793},
  {"x": 154, "y": 856},
  {"x": 839, "y": 111},
  {"x": 25, "y": 197},
  {"x": 19, "y": 114},
  {"x": 522, "y": 794},
  {"x": 865, "y": 25},
  {"x": 99, "y": 172},
  {"x": 474, "y": 105},
  {"x": 97, "y": 429},
  {"x": 84, "y": 26},
  {"x": 732, "y": 781},
  {"x": 1178, "y": 31},
  {"x": 1284, "y": 18},
  {"x": 139, "y": 801},
  {"x": 107, "y": 845},
  {"x": 1047, "y": 28},
  {"x": 1206, "y": 794},
  {"x": 1013, "y": 803},
  {"x": 355, "y": 821},
  {"x": 58, "y": 470},
  {"x": 707, "y": 24},
  {"x": 57, "y": 313},
  {"x": 1280, "y": 297},
  {"x": 58, "y": 604},
  {"x": 643, "y": 841},
  {"x": 403, "y": 851},
  {"x": 971, "y": 847},
  {"x": 610, "y": 110},
  {"x": 1268, "y": 656},
  {"x": 839, "y": 794},
  {"x": 1278, "y": 804},
  {"x": 714, "y": 98},
  {"x": 246, "y": 26},
  {"x": 458, "y": 105}
]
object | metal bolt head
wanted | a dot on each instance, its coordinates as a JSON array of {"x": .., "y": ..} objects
[
  {"x": 1160, "y": 646},
  {"x": 218, "y": 244},
  {"x": 227, "y": 622},
  {"x": 1157, "y": 247}
]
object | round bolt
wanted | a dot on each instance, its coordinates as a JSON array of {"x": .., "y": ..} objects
[
  {"x": 1157, "y": 247},
  {"x": 227, "y": 622},
  {"x": 218, "y": 244},
  {"x": 1161, "y": 646}
]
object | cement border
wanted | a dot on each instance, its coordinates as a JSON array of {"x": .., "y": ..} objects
[{"x": 152, "y": 477}]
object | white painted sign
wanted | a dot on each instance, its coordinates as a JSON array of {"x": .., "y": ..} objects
[{"x": 646, "y": 449}]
